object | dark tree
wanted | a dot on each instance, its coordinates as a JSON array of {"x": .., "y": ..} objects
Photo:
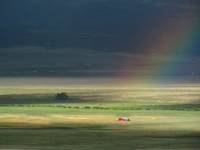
[{"x": 62, "y": 96}]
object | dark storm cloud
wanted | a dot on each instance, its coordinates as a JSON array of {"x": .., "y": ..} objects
[
  {"x": 95, "y": 33},
  {"x": 90, "y": 24},
  {"x": 173, "y": 3},
  {"x": 93, "y": 24}
]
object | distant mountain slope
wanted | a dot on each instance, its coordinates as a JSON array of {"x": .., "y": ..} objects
[{"x": 70, "y": 61}]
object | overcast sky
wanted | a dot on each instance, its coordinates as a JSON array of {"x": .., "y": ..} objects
[{"x": 93, "y": 35}]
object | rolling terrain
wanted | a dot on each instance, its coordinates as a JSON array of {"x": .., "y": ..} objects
[{"x": 163, "y": 116}]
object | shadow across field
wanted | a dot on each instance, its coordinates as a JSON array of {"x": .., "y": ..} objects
[
  {"x": 98, "y": 137},
  {"x": 192, "y": 107},
  {"x": 49, "y": 98},
  {"x": 84, "y": 101},
  {"x": 34, "y": 99}
]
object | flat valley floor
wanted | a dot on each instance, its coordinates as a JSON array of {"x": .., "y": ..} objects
[{"x": 163, "y": 116}]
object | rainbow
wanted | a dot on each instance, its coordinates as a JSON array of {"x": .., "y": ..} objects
[{"x": 174, "y": 39}]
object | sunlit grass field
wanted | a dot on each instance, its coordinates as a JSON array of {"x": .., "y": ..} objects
[{"x": 163, "y": 115}]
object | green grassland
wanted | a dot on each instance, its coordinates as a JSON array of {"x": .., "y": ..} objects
[{"x": 163, "y": 116}]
